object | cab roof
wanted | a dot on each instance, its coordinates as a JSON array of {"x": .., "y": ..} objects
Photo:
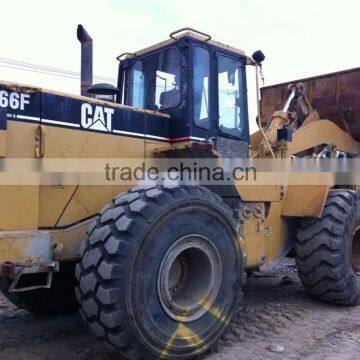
[{"x": 189, "y": 32}]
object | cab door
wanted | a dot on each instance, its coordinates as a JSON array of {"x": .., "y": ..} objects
[{"x": 232, "y": 130}]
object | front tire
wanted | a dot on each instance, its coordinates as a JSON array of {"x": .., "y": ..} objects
[
  {"x": 160, "y": 274},
  {"x": 328, "y": 250}
]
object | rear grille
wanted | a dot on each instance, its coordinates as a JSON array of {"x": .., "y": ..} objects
[{"x": 229, "y": 148}]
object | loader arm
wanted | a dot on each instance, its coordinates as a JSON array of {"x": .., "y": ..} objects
[{"x": 322, "y": 132}]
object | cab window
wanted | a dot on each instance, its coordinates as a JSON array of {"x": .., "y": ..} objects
[
  {"x": 231, "y": 112},
  {"x": 155, "y": 81},
  {"x": 137, "y": 86},
  {"x": 201, "y": 90}
]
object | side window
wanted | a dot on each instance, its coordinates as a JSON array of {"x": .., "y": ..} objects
[
  {"x": 155, "y": 81},
  {"x": 201, "y": 90},
  {"x": 137, "y": 86},
  {"x": 167, "y": 93},
  {"x": 231, "y": 119}
]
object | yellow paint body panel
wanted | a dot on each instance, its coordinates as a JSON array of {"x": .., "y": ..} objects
[
  {"x": 304, "y": 201},
  {"x": 19, "y": 207},
  {"x": 259, "y": 192},
  {"x": 20, "y": 140},
  {"x": 3, "y": 142},
  {"x": 253, "y": 244},
  {"x": 276, "y": 234},
  {"x": 56, "y": 199}
]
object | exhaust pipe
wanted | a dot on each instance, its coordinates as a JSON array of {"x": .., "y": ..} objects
[{"x": 86, "y": 59}]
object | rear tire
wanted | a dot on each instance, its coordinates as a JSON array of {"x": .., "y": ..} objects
[
  {"x": 58, "y": 300},
  {"x": 328, "y": 250},
  {"x": 160, "y": 274}
]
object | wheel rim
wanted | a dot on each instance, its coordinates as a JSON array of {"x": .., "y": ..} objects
[
  {"x": 189, "y": 278},
  {"x": 355, "y": 250}
]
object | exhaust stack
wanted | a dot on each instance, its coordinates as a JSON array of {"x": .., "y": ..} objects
[{"x": 86, "y": 59}]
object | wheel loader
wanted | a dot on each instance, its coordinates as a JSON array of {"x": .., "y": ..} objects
[{"x": 157, "y": 270}]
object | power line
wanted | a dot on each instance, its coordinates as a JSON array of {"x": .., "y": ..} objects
[
  {"x": 47, "y": 70},
  {"x": 22, "y": 64},
  {"x": 36, "y": 71}
]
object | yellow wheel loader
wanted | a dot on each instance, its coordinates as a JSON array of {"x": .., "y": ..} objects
[{"x": 157, "y": 270}]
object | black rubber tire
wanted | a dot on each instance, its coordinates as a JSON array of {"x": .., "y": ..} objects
[
  {"x": 58, "y": 300},
  {"x": 324, "y": 250},
  {"x": 120, "y": 260}
]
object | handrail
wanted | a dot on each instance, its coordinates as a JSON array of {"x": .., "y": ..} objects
[
  {"x": 189, "y": 29},
  {"x": 123, "y": 54}
]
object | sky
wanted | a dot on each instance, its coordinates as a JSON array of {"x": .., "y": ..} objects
[{"x": 299, "y": 38}]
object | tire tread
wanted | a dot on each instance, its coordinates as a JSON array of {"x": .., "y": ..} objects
[{"x": 321, "y": 247}]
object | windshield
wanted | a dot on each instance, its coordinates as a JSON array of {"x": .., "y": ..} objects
[{"x": 155, "y": 81}]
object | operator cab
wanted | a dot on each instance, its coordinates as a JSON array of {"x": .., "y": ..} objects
[{"x": 199, "y": 82}]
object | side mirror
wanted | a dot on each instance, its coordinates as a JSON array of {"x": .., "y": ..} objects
[
  {"x": 104, "y": 91},
  {"x": 258, "y": 56}
]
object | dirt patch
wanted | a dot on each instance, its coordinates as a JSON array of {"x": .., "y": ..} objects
[{"x": 277, "y": 321}]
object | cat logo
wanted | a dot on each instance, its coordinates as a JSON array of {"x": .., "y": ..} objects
[{"x": 96, "y": 118}]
